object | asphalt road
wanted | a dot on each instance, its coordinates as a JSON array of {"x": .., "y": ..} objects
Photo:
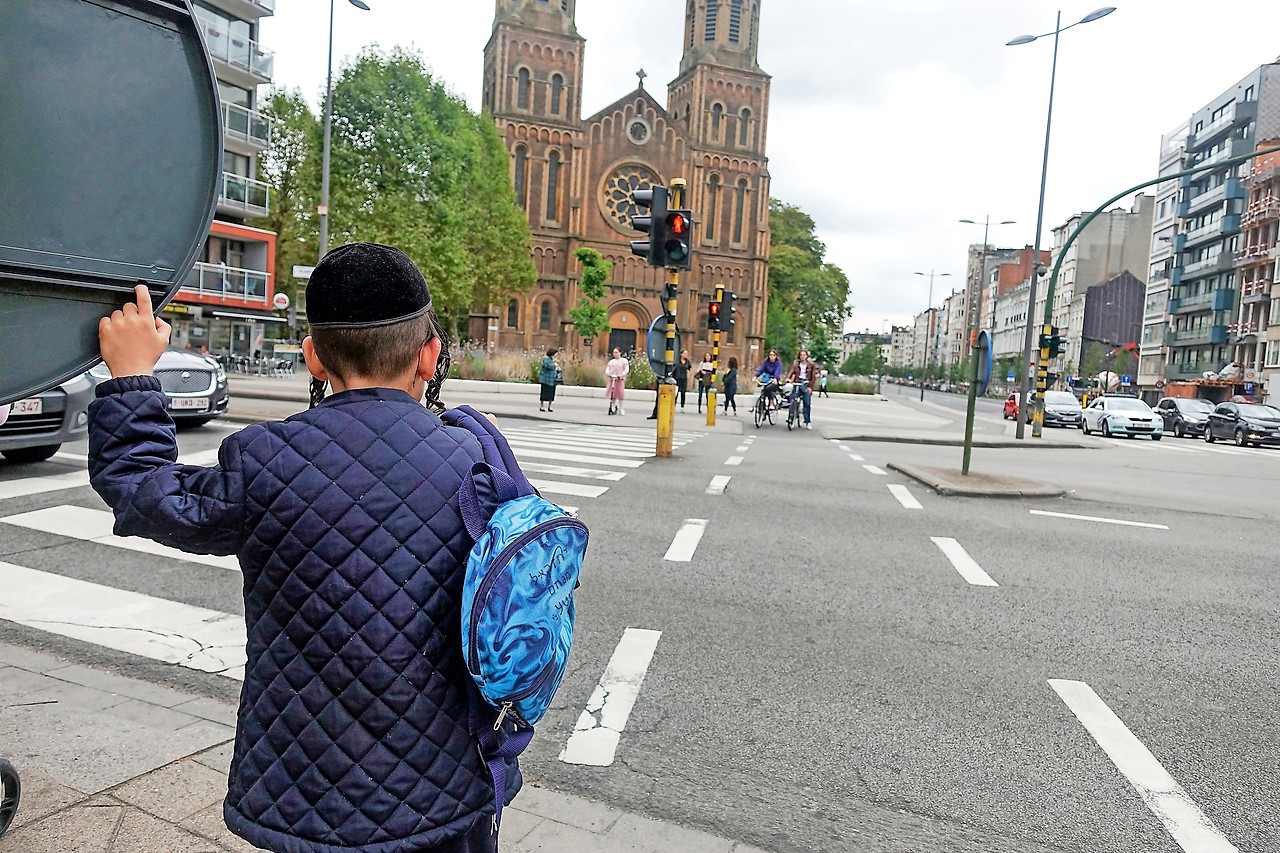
[{"x": 827, "y": 680}]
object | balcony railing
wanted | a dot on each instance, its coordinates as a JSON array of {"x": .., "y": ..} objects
[
  {"x": 245, "y": 125},
  {"x": 238, "y": 51},
  {"x": 1255, "y": 291},
  {"x": 1228, "y": 189},
  {"x": 1214, "y": 300},
  {"x": 1262, "y": 210},
  {"x": 1226, "y": 226},
  {"x": 1200, "y": 336},
  {"x": 1187, "y": 371},
  {"x": 1221, "y": 263},
  {"x": 1238, "y": 111},
  {"x": 247, "y": 287},
  {"x": 245, "y": 195}
]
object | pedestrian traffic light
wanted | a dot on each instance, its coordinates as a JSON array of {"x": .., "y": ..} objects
[
  {"x": 654, "y": 200},
  {"x": 727, "y": 310},
  {"x": 678, "y": 239},
  {"x": 1052, "y": 342},
  {"x": 713, "y": 315}
]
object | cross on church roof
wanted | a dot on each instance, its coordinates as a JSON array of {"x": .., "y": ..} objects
[{"x": 641, "y": 75}]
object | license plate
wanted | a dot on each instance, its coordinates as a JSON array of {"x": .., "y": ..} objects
[
  {"x": 32, "y": 406},
  {"x": 189, "y": 403}
]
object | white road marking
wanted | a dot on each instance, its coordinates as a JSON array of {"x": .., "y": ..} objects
[
  {"x": 686, "y": 541},
  {"x": 95, "y": 525},
  {"x": 879, "y": 472},
  {"x": 964, "y": 564},
  {"x": 742, "y": 448},
  {"x": 734, "y": 460},
  {"x": 131, "y": 622},
  {"x": 843, "y": 447},
  {"x": 67, "y": 456},
  {"x": 568, "y": 444},
  {"x": 533, "y": 453},
  {"x": 856, "y": 458},
  {"x": 718, "y": 485},
  {"x": 578, "y": 490},
  {"x": 595, "y": 738},
  {"x": 1182, "y": 818},
  {"x": 904, "y": 496},
  {"x": 39, "y": 485},
  {"x": 567, "y": 471},
  {"x": 1099, "y": 520}
]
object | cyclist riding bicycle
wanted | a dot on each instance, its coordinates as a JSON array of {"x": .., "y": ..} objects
[
  {"x": 771, "y": 369},
  {"x": 616, "y": 372}
]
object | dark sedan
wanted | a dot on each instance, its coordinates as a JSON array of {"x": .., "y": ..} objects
[
  {"x": 1245, "y": 424},
  {"x": 1184, "y": 416}
]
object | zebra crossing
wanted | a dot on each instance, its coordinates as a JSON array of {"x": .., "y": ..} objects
[{"x": 567, "y": 463}]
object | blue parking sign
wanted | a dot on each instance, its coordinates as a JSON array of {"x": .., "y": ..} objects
[{"x": 1010, "y": 377}]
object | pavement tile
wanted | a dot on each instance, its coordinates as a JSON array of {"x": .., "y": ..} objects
[
  {"x": 667, "y": 837},
  {"x": 516, "y": 824},
  {"x": 82, "y": 699},
  {"x": 132, "y": 688},
  {"x": 209, "y": 709},
  {"x": 144, "y": 833},
  {"x": 573, "y": 811},
  {"x": 19, "y": 683},
  {"x": 41, "y": 797},
  {"x": 11, "y": 655},
  {"x": 219, "y": 758},
  {"x": 175, "y": 792},
  {"x": 87, "y": 828},
  {"x": 551, "y": 837},
  {"x": 152, "y": 716},
  {"x": 208, "y": 823}
]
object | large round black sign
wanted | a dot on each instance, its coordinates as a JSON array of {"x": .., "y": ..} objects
[{"x": 110, "y": 163}]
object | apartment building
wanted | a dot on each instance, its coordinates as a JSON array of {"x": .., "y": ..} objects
[
  {"x": 1164, "y": 230},
  {"x": 954, "y": 328},
  {"x": 1004, "y": 270},
  {"x": 901, "y": 342},
  {"x": 1258, "y": 267},
  {"x": 924, "y": 342},
  {"x": 226, "y": 304}
]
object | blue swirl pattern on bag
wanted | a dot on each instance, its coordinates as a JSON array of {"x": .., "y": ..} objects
[{"x": 517, "y": 604}]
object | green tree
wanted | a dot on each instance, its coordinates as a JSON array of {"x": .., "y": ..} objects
[
  {"x": 591, "y": 316},
  {"x": 863, "y": 362},
  {"x": 808, "y": 297}
]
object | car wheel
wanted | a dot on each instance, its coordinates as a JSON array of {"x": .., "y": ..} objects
[
  {"x": 1106, "y": 430},
  {"x": 1157, "y": 436},
  {"x": 1177, "y": 431},
  {"x": 1084, "y": 425},
  {"x": 1208, "y": 435},
  {"x": 31, "y": 454},
  {"x": 1240, "y": 442}
]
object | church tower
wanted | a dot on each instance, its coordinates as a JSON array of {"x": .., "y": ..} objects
[{"x": 533, "y": 62}]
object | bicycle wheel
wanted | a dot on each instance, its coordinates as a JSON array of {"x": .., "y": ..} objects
[
  {"x": 10, "y": 794},
  {"x": 793, "y": 415},
  {"x": 759, "y": 410}
]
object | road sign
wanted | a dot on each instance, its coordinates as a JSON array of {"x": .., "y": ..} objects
[
  {"x": 656, "y": 344},
  {"x": 1126, "y": 380},
  {"x": 1012, "y": 377},
  {"x": 983, "y": 347},
  {"x": 1249, "y": 388},
  {"x": 280, "y": 301},
  {"x": 300, "y": 271}
]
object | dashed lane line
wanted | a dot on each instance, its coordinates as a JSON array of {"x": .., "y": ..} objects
[
  {"x": 1099, "y": 520},
  {"x": 856, "y": 458},
  {"x": 963, "y": 563},
  {"x": 686, "y": 541},
  {"x": 904, "y": 496},
  {"x": 718, "y": 485},
  {"x": 598, "y": 732},
  {"x": 734, "y": 460},
  {"x": 879, "y": 472}
]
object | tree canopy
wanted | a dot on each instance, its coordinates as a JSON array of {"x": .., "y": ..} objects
[
  {"x": 591, "y": 317},
  {"x": 808, "y": 297}
]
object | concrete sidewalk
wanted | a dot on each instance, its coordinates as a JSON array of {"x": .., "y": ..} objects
[{"x": 111, "y": 764}]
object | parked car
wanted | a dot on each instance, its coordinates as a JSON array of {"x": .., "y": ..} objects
[
  {"x": 1184, "y": 416},
  {"x": 1121, "y": 414},
  {"x": 1245, "y": 424},
  {"x": 196, "y": 386},
  {"x": 40, "y": 424}
]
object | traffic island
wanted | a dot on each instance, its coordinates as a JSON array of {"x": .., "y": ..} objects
[{"x": 951, "y": 483}]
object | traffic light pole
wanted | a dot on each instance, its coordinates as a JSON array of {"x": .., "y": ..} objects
[{"x": 667, "y": 390}]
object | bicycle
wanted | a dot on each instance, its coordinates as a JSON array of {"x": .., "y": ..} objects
[
  {"x": 795, "y": 411},
  {"x": 762, "y": 410},
  {"x": 10, "y": 795}
]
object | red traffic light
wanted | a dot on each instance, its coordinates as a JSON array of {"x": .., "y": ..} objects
[
  {"x": 677, "y": 225},
  {"x": 715, "y": 309}
]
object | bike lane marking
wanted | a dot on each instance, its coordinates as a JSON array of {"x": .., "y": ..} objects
[
  {"x": 718, "y": 485},
  {"x": 1099, "y": 520},
  {"x": 904, "y": 496},
  {"x": 595, "y": 738},
  {"x": 1182, "y": 818},
  {"x": 734, "y": 460},
  {"x": 963, "y": 563},
  {"x": 686, "y": 541},
  {"x": 879, "y": 472}
]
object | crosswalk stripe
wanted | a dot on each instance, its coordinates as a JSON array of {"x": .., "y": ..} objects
[
  {"x": 39, "y": 485},
  {"x": 575, "y": 489},
  {"x": 94, "y": 525},
  {"x": 566, "y": 444},
  {"x": 126, "y": 621},
  {"x": 534, "y": 453},
  {"x": 568, "y": 471}
]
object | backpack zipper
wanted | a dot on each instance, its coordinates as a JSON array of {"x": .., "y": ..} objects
[{"x": 508, "y": 704}]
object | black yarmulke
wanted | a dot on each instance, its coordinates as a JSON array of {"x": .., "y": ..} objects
[{"x": 365, "y": 284}]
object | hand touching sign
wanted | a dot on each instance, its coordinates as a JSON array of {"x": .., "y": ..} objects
[{"x": 132, "y": 338}]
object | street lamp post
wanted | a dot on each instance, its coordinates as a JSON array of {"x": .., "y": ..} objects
[
  {"x": 323, "y": 210},
  {"x": 929, "y": 327},
  {"x": 971, "y": 329},
  {"x": 1044, "y": 174}
]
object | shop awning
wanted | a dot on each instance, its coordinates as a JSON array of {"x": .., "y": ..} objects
[{"x": 248, "y": 314}]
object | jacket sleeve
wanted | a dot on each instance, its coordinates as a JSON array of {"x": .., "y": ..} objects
[{"x": 133, "y": 452}]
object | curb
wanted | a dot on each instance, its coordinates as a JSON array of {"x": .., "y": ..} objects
[
  {"x": 951, "y": 483},
  {"x": 836, "y": 434}
]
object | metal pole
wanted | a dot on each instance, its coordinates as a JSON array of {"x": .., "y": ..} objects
[
  {"x": 928, "y": 328},
  {"x": 667, "y": 390},
  {"x": 323, "y": 210},
  {"x": 1025, "y": 386},
  {"x": 971, "y": 329}
]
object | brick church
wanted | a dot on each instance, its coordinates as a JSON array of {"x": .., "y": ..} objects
[{"x": 574, "y": 176}]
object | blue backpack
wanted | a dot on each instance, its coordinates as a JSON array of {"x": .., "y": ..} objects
[{"x": 517, "y": 596}]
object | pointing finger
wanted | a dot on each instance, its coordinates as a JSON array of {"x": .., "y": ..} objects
[{"x": 144, "y": 299}]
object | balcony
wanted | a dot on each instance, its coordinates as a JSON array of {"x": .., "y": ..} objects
[
  {"x": 245, "y": 126},
  {"x": 1225, "y": 191},
  {"x": 1255, "y": 291},
  {"x": 242, "y": 196},
  {"x": 1224, "y": 227},
  {"x": 1263, "y": 210},
  {"x": 1209, "y": 266},
  {"x": 243, "y": 56},
  {"x": 230, "y": 284},
  {"x": 1177, "y": 372},
  {"x": 1233, "y": 147},
  {"x": 1238, "y": 112},
  {"x": 1214, "y": 300},
  {"x": 1198, "y": 337}
]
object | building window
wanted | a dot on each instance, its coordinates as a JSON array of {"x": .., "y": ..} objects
[
  {"x": 513, "y": 314},
  {"x": 1248, "y": 94},
  {"x": 557, "y": 93},
  {"x": 544, "y": 317},
  {"x": 713, "y": 207},
  {"x": 735, "y": 21},
  {"x": 523, "y": 84},
  {"x": 522, "y": 173},
  {"x": 713, "y": 13},
  {"x": 744, "y": 125},
  {"x": 739, "y": 210},
  {"x": 717, "y": 121},
  {"x": 553, "y": 186}
]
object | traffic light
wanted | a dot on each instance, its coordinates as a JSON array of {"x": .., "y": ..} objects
[
  {"x": 678, "y": 240},
  {"x": 727, "y": 310},
  {"x": 654, "y": 200},
  {"x": 1052, "y": 342},
  {"x": 713, "y": 316}
]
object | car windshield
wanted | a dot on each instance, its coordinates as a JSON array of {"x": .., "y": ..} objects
[
  {"x": 1060, "y": 398},
  {"x": 1125, "y": 404},
  {"x": 1195, "y": 406},
  {"x": 1249, "y": 410}
]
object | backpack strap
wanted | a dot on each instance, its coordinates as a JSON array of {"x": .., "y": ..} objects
[
  {"x": 495, "y": 750},
  {"x": 492, "y": 482}
]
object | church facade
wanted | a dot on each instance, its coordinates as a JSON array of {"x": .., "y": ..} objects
[{"x": 574, "y": 176}]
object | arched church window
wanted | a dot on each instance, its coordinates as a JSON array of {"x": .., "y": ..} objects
[
  {"x": 739, "y": 210},
  {"x": 523, "y": 84},
  {"x": 713, "y": 207},
  {"x": 744, "y": 127},
  {"x": 544, "y": 316},
  {"x": 713, "y": 15},
  {"x": 513, "y": 314},
  {"x": 717, "y": 121},
  {"x": 557, "y": 93},
  {"x": 735, "y": 21},
  {"x": 520, "y": 179},
  {"x": 553, "y": 186}
]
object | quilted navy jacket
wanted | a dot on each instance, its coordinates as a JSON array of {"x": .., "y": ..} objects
[{"x": 352, "y": 734}]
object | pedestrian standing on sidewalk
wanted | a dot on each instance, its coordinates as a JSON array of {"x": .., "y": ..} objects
[
  {"x": 357, "y": 727},
  {"x": 706, "y": 379},
  {"x": 680, "y": 373},
  {"x": 548, "y": 375},
  {"x": 616, "y": 374},
  {"x": 730, "y": 383}
]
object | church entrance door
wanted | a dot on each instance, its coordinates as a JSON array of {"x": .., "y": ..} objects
[{"x": 623, "y": 339}]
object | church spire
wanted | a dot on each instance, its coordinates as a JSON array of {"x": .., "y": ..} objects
[
  {"x": 556, "y": 16},
  {"x": 722, "y": 32}
]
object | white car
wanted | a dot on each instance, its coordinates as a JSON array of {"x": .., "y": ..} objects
[{"x": 1120, "y": 414}]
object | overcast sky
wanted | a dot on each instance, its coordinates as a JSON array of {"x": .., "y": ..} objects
[{"x": 890, "y": 119}]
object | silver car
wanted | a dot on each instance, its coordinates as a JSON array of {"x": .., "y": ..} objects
[
  {"x": 40, "y": 424},
  {"x": 196, "y": 386}
]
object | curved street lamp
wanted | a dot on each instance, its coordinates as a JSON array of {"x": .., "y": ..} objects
[
  {"x": 1044, "y": 173},
  {"x": 323, "y": 210},
  {"x": 929, "y": 323}
]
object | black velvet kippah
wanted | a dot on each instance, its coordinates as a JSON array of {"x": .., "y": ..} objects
[{"x": 365, "y": 284}]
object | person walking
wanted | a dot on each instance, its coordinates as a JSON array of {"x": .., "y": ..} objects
[
  {"x": 706, "y": 377},
  {"x": 730, "y": 384},
  {"x": 680, "y": 373},
  {"x": 804, "y": 373},
  {"x": 616, "y": 375},
  {"x": 822, "y": 385},
  {"x": 548, "y": 376}
]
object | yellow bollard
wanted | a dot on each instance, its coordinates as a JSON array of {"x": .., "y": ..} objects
[
  {"x": 666, "y": 419},
  {"x": 711, "y": 407}
]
